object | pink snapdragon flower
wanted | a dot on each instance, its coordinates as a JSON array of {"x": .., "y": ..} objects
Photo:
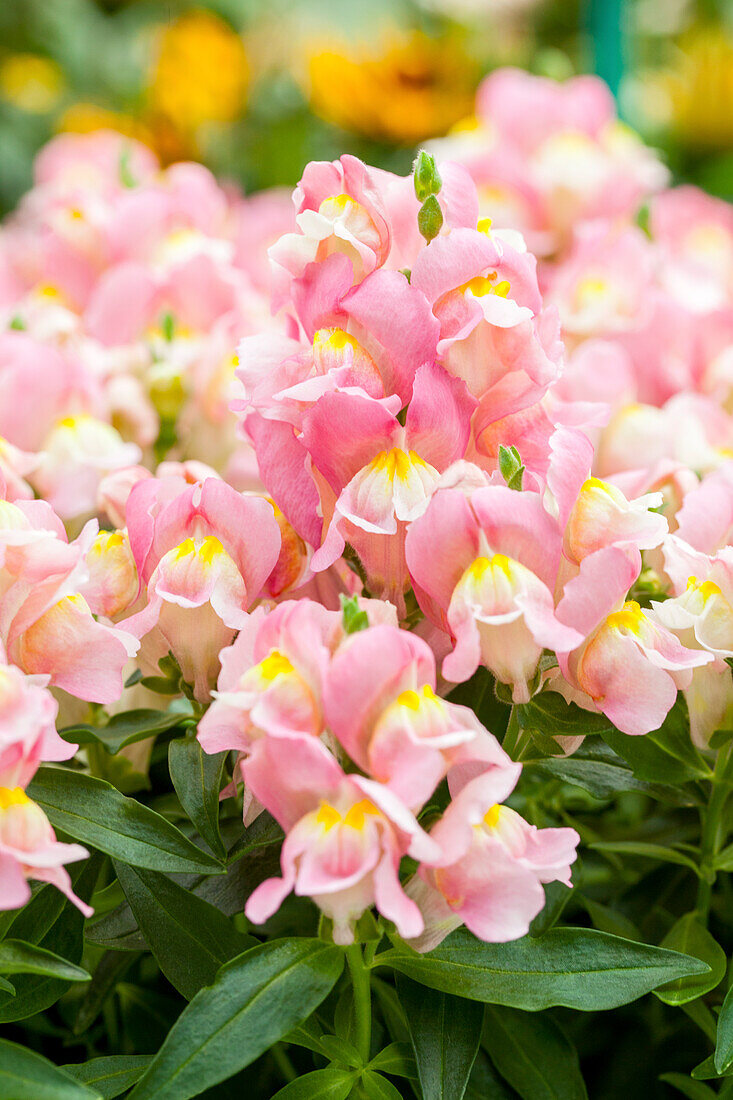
[
  {"x": 203, "y": 553},
  {"x": 380, "y": 704},
  {"x": 484, "y": 570},
  {"x": 630, "y": 666},
  {"x": 29, "y": 850},
  {"x": 492, "y": 867},
  {"x": 27, "y": 727},
  {"x": 345, "y": 838}
]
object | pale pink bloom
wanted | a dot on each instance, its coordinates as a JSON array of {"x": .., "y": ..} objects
[
  {"x": 114, "y": 490},
  {"x": 113, "y": 582},
  {"x": 602, "y": 516},
  {"x": 77, "y": 453},
  {"x": 705, "y": 518},
  {"x": 203, "y": 553},
  {"x": 271, "y": 679},
  {"x": 695, "y": 234},
  {"x": 29, "y": 850},
  {"x": 370, "y": 338},
  {"x": 15, "y": 466},
  {"x": 339, "y": 208},
  {"x": 380, "y": 476},
  {"x": 492, "y": 866},
  {"x": 484, "y": 570},
  {"x": 345, "y": 838},
  {"x": 93, "y": 161},
  {"x": 46, "y": 626},
  {"x": 629, "y": 666},
  {"x": 27, "y": 727},
  {"x": 485, "y": 295},
  {"x": 380, "y": 704}
]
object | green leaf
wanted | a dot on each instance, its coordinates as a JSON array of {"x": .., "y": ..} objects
[
  {"x": 109, "y": 971},
  {"x": 706, "y": 1070},
  {"x": 376, "y": 1087},
  {"x": 197, "y": 779},
  {"x": 323, "y": 1084},
  {"x": 575, "y": 967},
  {"x": 7, "y": 987},
  {"x": 724, "y": 860},
  {"x": 354, "y": 617},
  {"x": 693, "y": 1090},
  {"x": 666, "y": 755},
  {"x": 25, "y": 1075},
  {"x": 647, "y": 851},
  {"x": 127, "y": 728},
  {"x": 445, "y": 1032},
  {"x": 690, "y": 937},
  {"x": 51, "y": 922},
  {"x": 550, "y": 714},
  {"x": 96, "y": 813},
  {"x": 190, "y": 939},
  {"x": 533, "y": 1054},
  {"x": 110, "y": 1076},
  {"x": 396, "y": 1059},
  {"x": 18, "y": 957},
  {"x": 255, "y": 1000},
  {"x": 724, "y": 1042}
]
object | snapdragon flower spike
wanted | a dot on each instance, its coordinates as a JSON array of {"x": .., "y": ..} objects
[
  {"x": 380, "y": 477},
  {"x": 271, "y": 679},
  {"x": 345, "y": 837},
  {"x": 339, "y": 208},
  {"x": 203, "y": 553},
  {"x": 492, "y": 867},
  {"x": 630, "y": 666},
  {"x": 380, "y": 704},
  {"x": 484, "y": 569},
  {"x": 29, "y": 850},
  {"x": 27, "y": 727}
]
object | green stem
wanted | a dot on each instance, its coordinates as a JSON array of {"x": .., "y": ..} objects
[
  {"x": 513, "y": 735},
  {"x": 713, "y": 832},
  {"x": 360, "y": 980}
]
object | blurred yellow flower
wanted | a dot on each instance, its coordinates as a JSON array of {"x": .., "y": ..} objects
[
  {"x": 33, "y": 83},
  {"x": 83, "y": 118},
  {"x": 201, "y": 72},
  {"x": 700, "y": 87},
  {"x": 415, "y": 87}
]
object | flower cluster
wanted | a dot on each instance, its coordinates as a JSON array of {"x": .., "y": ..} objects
[{"x": 442, "y": 459}]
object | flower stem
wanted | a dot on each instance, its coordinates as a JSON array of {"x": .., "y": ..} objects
[
  {"x": 360, "y": 981},
  {"x": 713, "y": 832}
]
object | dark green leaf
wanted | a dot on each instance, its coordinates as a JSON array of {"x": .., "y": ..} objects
[
  {"x": 7, "y": 987},
  {"x": 557, "y": 895},
  {"x": 445, "y": 1032},
  {"x": 17, "y": 957},
  {"x": 55, "y": 924},
  {"x": 190, "y": 939},
  {"x": 111, "y": 1076},
  {"x": 690, "y": 937},
  {"x": 533, "y": 1055},
  {"x": 109, "y": 970},
  {"x": 255, "y": 1000},
  {"x": 693, "y": 1090},
  {"x": 197, "y": 779},
  {"x": 127, "y": 728},
  {"x": 94, "y": 812},
  {"x": 724, "y": 1042},
  {"x": 576, "y": 967},
  {"x": 550, "y": 714},
  {"x": 323, "y": 1084},
  {"x": 647, "y": 851},
  {"x": 666, "y": 755},
  {"x": 25, "y": 1075}
]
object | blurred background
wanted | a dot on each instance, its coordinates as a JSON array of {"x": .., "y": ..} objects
[{"x": 255, "y": 88}]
